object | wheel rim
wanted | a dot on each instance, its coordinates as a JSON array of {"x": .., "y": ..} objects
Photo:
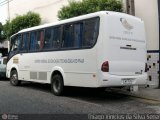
[
  {"x": 14, "y": 78},
  {"x": 56, "y": 86}
]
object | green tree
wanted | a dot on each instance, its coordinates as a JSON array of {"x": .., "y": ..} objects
[
  {"x": 76, "y": 8},
  {"x": 1, "y": 29},
  {"x": 2, "y": 36},
  {"x": 7, "y": 30},
  {"x": 21, "y": 22}
]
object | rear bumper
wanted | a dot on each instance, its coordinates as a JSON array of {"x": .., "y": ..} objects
[{"x": 108, "y": 80}]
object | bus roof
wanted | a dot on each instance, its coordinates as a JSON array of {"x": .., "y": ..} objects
[{"x": 74, "y": 19}]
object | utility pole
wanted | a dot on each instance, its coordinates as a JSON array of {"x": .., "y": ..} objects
[
  {"x": 159, "y": 39},
  {"x": 8, "y": 11},
  {"x": 130, "y": 8}
]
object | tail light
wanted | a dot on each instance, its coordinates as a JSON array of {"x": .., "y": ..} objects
[
  {"x": 105, "y": 66},
  {"x": 146, "y": 67}
]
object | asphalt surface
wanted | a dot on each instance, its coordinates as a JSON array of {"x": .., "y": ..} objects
[{"x": 33, "y": 98}]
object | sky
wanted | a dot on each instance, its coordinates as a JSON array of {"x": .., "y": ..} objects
[{"x": 3, "y": 12}]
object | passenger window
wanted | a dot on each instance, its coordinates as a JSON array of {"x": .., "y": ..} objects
[
  {"x": 56, "y": 37},
  {"x": 24, "y": 43},
  {"x": 78, "y": 35},
  {"x": 90, "y": 32},
  {"x": 15, "y": 45},
  {"x": 48, "y": 38},
  {"x": 33, "y": 41},
  {"x": 68, "y": 37},
  {"x": 40, "y": 40}
]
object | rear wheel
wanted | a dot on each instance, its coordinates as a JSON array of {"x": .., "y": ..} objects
[
  {"x": 57, "y": 85},
  {"x": 14, "y": 78}
]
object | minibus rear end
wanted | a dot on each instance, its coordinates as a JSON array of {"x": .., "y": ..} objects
[{"x": 122, "y": 51}]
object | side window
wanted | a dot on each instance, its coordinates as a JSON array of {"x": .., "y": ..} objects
[
  {"x": 15, "y": 45},
  {"x": 56, "y": 37},
  {"x": 82, "y": 34},
  {"x": 24, "y": 42},
  {"x": 78, "y": 35},
  {"x": 48, "y": 38},
  {"x": 40, "y": 40},
  {"x": 68, "y": 37},
  {"x": 33, "y": 41},
  {"x": 90, "y": 32},
  {"x": 19, "y": 41}
]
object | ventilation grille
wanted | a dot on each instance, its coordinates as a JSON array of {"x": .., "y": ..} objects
[
  {"x": 33, "y": 75},
  {"x": 38, "y": 75},
  {"x": 42, "y": 76}
]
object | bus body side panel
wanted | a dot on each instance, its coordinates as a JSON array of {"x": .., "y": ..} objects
[
  {"x": 124, "y": 47},
  {"x": 78, "y": 66},
  {"x": 13, "y": 63}
]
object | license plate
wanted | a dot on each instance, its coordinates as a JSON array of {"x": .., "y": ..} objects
[{"x": 127, "y": 81}]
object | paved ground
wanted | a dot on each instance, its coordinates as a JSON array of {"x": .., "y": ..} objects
[
  {"x": 32, "y": 98},
  {"x": 147, "y": 93}
]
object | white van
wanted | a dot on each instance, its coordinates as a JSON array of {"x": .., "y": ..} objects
[{"x": 102, "y": 49}]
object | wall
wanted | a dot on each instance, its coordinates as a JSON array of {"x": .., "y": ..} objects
[
  {"x": 148, "y": 11},
  {"x": 3, "y": 13},
  {"x": 46, "y": 8}
]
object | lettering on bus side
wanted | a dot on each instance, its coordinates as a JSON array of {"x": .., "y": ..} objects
[
  {"x": 60, "y": 61},
  {"x": 15, "y": 60}
]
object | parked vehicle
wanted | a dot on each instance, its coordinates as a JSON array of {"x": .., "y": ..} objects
[{"x": 3, "y": 62}]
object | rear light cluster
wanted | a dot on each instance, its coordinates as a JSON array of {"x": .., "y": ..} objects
[
  {"x": 105, "y": 66},
  {"x": 146, "y": 67}
]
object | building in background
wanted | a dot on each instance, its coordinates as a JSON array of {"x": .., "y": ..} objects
[
  {"x": 3, "y": 11},
  {"x": 46, "y": 8},
  {"x": 129, "y": 6},
  {"x": 149, "y": 12}
]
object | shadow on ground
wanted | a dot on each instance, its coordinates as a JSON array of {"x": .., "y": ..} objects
[
  {"x": 87, "y": 94},
  {"x": 4, "y": 79}
]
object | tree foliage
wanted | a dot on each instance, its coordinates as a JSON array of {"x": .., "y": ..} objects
[
  {"x": 7, "y": 30},
  {"x": 21, "y": 22},
  {"x": 76, "y": 8},
  {"x": 2, "y": 35},
  {"x": 1, "y": 30}
]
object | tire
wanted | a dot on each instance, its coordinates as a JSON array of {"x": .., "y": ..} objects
[
  {"x": 14, "y": 78},
  {"x": 57, "y": 85}
]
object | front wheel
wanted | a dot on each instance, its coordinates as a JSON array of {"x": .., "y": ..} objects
[
  {"x": 57, "y": 85},
  {"x": 14, "y": 78}
]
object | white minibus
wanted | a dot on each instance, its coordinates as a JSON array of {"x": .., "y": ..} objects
[{"x": 97, "y": 50}]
